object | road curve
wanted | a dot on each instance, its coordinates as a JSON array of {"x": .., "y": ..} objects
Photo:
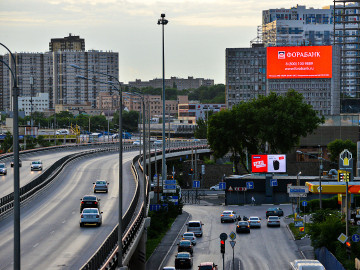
[{"x": 51, "y": 237}]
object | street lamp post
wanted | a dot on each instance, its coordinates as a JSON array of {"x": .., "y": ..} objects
[
  {"x": 120, "y": 251},
  {"x": 163, "y": 22},
  {"x": 17, "y": 264}
]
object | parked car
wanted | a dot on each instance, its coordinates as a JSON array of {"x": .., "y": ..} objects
[
  {"x": 12, "y": 163},
  {"x": 89, "y": 201},
  {"x": 90, "y": 216},
  {"x": 3, "y": 169},
  {"x": 229, "y": 215},
  {"x": 243, "y": 226},
  {"x": 183, "y": 260},
  {"x": 195, "y": 226},
  {"x": 254, "y": 222},
  {"x": 101, "y": 185},
  {"x": 207, "y": 266},
  {"x": 274, "y": 211},
  {"x": 216, "y": 187},
  {"x": 189, "y": 236},
  {"x": 36, "y": 165},
  {"x": 185, "y": 245},
  {"x": 273, "y": 221}
]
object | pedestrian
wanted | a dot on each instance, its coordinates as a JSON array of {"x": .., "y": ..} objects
[{"x": 252, "y": 200}]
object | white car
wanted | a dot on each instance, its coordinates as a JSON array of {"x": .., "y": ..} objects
[
  {"x": 137, "y": 142},
  {"x": 90, "y": 216},
  {"x": 189, "y": 236},
  {"x": 216, "y": 187},
  {"x": 254, "y": 222},
  {"x": 3, "y": 169},
  {"x": 273, "y": 221},
  {"x": 36, "y": 165},
  {"x": 229, "y": 215}
]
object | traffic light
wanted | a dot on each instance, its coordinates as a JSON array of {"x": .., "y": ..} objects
[
  {"x": 347, "y": 176},
  {"x": 348, "y": 247},
  {"x": 222, "y": 246},
  {"x": 341, "y": 177},
  {"x": 191, "y": 171}
]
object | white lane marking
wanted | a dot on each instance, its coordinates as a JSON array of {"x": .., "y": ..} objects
[
  {"x": 35, "y": 245},
  {"x": 63, "y": 221}
]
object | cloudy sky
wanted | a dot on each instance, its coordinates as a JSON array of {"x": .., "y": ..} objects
[{"x": 196, "y": 36}]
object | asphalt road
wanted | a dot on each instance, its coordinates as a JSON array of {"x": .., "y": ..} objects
[
  {"x": 51, "y": 237},
  {"x": 267, "y": 248}
]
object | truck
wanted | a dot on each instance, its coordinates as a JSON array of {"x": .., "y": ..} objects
[{"x": 306, "y": 265}]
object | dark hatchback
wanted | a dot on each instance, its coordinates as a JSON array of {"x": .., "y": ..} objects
[
  {"x": 185, "y": 246},
  {"x": 243, "y": 226},
  {"x": 274, "y": 212},
  {"x": 183, "y": 260},
  {"x": 89, "y": 201}
]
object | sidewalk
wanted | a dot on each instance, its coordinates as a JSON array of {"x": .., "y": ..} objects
[{"x": 156, "y": 259}]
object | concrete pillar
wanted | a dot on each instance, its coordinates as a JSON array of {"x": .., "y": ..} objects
[{"x": 138, "y": 260}]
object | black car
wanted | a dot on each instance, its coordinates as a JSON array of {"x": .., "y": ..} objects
[
  {"x": 243, "y": 226},
  {"x": 185, "y": 246},
  {"x": 12, "y": 163},
  {"x": 183, "y": 260},
  {"x": 274, "y": 212},
  {"x": 89, "y": 201}
]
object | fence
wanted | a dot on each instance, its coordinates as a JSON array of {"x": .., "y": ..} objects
[{"x": 328, "y": 259}]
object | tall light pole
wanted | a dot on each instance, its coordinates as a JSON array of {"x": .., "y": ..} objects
[
  {"x": 15, "y": 93},
  {"x": 31, "y": 103},
  {"x": 320, "y": 173},
  {"x": 163, "y": 22},
  {"x": 120, "y": 251}
]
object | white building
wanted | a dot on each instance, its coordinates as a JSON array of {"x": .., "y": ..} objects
[{"x": 38, "y": 103}]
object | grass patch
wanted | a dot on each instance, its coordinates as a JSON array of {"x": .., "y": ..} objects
[
  {"x": 296, "y": 232},
  {"x": 153, "y": 242}
]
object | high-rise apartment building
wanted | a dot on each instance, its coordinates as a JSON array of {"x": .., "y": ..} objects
[
  {"x": 37, "y": 103},
  {"x": 51, "y": 73},
  {"x": 70, "y": 43}
]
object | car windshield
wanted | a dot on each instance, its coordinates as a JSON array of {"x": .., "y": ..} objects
[
  {"x": 254, "y": 219},
  {"x": 271, "y": 209},
  {"x": 36, "y": 162},
  {"x": 188, "y": 234},
  {"x": 194, "y": 224},
  {"x": 90, "y": 211},
  {"x": 227, "y": 213},
  {"x": 89, "y": 198},
  {"x": 273, "y": 218},
  {"x": 182, "y": 255},
  {"x": 243, "y": 223},
  {"x": 100, "y": 182},
  {"x": 2, "y": 165},
  {"x": 185, "y": 243}
]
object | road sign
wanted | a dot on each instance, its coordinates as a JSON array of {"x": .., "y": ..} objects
[
  {"x": 250, "y": 185},
  {"x": 232, "y": 243},
  {"x": 232, "y": 236},
  {"x": 342, "y": 238},
  {"x": 299, "y": 223},
  {"x": 304, "y": 203},
  {"x": 174, "y": 199},
  {"x": 196, "y": 184},
  {"x": 222, "y": 185},
  {"x": 170, "y": 186},
  {"x": 240, "y": 188},
  {"x": 273, "y": 182},
  {"x": 355, "y": 238},
  {"x": 297, "y": 191},
  {"x": 230, "y": 188},
  {"x": 223, "y": 236},
  {"x": 170, "y": 182}
]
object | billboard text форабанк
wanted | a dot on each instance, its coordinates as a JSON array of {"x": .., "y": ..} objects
[
  {"x": 268, "y": 163},
  {"x": 299, "y": 62}
]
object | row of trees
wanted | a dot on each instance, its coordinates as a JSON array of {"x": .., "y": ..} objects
[
  {"x": 66, "y": 119},
  {"x": 268, "y": 124}
]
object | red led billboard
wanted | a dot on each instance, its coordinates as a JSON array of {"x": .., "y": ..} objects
[
  {"x": 268, "y": 163},
  {"x": 299, "y": 62}
]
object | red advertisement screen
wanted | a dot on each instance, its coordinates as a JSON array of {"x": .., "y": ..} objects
[{"x": 299, "y": 62}]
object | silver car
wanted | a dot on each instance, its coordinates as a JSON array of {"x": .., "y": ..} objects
[
  {"x": 90, "y": 216},
  {"x": 229, "y": 215},
  {"x": 101, "y": 185},
  {"x": 189, "y": 236},
  {"x": 36, "y": 165},
  {"x": 3, "y": 169},
  {"x": 254, "y": 222}
]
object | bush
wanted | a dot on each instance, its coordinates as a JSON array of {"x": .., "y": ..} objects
[{"x": 314, "y": 205}]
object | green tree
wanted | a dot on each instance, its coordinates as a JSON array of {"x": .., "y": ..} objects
[
  {"x": 42, "y": 142},
  {"x": 7, "y": 144},
  {"x": 98, "y": 123},
  {"x": 129, "y": 120},
  {"x": 31, "y": 142},
  {"x": 201, "y": 129},
  {"x": 337, "y": 146},
  {"x": 83, "y": 121},
  {"x": 274, "y": 121}
]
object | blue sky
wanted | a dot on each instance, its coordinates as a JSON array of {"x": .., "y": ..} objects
[{"x": 196, "y": 36}]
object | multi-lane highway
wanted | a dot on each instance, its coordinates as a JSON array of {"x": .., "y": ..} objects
[
  {"x": 51, "y": 237},
  {"x": 265, "y": 248}
]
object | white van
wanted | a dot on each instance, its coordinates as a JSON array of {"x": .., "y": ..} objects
[{"x": 195, "y": 226}]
